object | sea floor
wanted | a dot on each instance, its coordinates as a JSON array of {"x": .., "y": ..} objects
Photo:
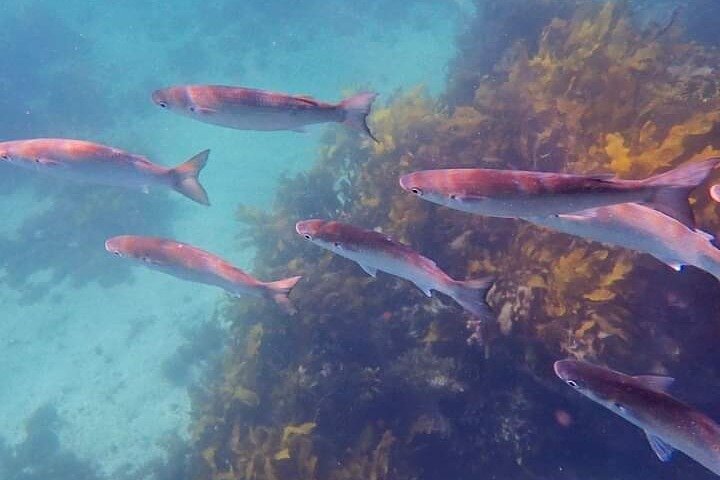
[{"x": 96, "y": 353}]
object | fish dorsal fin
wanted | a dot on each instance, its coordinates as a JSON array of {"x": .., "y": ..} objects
[
  {"x": 707, "y": 236},
  {"x": 372, "y": 271},
  {"x": 663, "y": 451},
  {"x": 469, "y": 198},
  {"x": 306, "y": 99},
  {"x": 606, "y": 177},
  {"x": 658, "y": 383}
]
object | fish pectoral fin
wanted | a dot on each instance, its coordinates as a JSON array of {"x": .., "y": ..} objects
[
  {"x": 204, "y": 111},
  {"x": 603, "y": 177},
  {"x": 424, "y": 289},
  {"x": 583, "y": 215},
  {"x": 372, "y": 271},
  {"x": 469, "y": 198},
  {"x": 47, "y": 162},
  {"x": 661, "y": 448},
  {"x": 658, "y": 383},
  {"x": 674, "y": 264}
]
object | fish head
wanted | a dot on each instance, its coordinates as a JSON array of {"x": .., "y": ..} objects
[
  {"x": 121, "y": 246},
  {"x": 176, "y": 99},
  {"x": 5, "y": 154},
  {"x": 132, "y": 248},
  {"x": 323, "y": 233},
  {"x": 432, "y": 185},
  {"x": 614, "y": 390},
  {"x": 14, "y": 153}
]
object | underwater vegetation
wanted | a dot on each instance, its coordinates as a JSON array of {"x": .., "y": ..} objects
[
  {"x": 201, "y": 348},
  {"x": 373, "y": 380}
]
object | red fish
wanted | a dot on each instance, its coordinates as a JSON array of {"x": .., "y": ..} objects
[
  {"x": 521, "y": 194},
  {"x": 668, "y": 423},
  {"x": 252, "y": 109},
  {"x": 374, "y": 251},
  {"x": 94, "y": 163},
  {"x": 190, "y": 263},
  {"x": 637, "y": 227}
]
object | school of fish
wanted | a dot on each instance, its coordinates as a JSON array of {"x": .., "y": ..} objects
[{"x": 651, "y": 215}]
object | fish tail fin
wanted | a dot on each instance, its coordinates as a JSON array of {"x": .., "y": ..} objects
[
  {"x": 471, "y": 295},
  {"x": 185, "y": 178},
  {"x": 280, "y": 291},
  {"x": 357, "y": 108},
  {"x": 671, "y": 189}
]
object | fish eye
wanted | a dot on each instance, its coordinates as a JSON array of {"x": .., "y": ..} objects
[
  {"x": 453, "y": 196},
  {"x": 37, "y": 160},
  {"x": 416, "y": 191},
  {"x": 162, "y": 104},
  {"x": 116, "y": 253},
  {"x": 307, "y": 235},
  {"x": 619, "y": 406},
  {"x": 5, "y": 156},
  {"x": 337, "y": 244},
  {"x": 572, "y": 383},
  {"x": 192, "y": 109}
]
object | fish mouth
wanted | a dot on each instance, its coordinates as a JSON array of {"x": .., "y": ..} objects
[
  {"x": 309, "y": 227},
  {"x": 300, "y": 227},
  {"x": 561, "y": 368},
  {"x": 112, "y": 245},
  {"x": 405, "y": 181}
]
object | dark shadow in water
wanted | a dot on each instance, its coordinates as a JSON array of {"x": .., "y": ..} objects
[{"x": 41, "y": 456}]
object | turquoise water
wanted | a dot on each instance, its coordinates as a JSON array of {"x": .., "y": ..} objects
[{"x": 75, "y": 69}]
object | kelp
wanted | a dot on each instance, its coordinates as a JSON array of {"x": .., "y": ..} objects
[{"x": 373, "y": 380}]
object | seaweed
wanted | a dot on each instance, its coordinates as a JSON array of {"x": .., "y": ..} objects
[{"x": 371, "y": 379}]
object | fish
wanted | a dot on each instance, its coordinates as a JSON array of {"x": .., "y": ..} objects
[
  {"x": 374, "y": 252},
  {"x": 668, "y": 423},
  {"x": 517, "y": 194},
  {"x": 715, "y": 192},
  {"x": 643, "y": 229},
  {"x": 89, "y": 162},
  {"x": 190, "y": 263},
  {"x": 253, "y": 109}
]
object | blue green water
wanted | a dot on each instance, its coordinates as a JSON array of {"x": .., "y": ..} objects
[{"x": 88, "y": 336}]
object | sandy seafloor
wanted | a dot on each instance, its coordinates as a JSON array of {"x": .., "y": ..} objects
[{"x": 79, "y": 349}]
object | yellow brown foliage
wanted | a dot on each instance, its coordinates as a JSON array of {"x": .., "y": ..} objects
[{"x": 593, "y": 93}]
